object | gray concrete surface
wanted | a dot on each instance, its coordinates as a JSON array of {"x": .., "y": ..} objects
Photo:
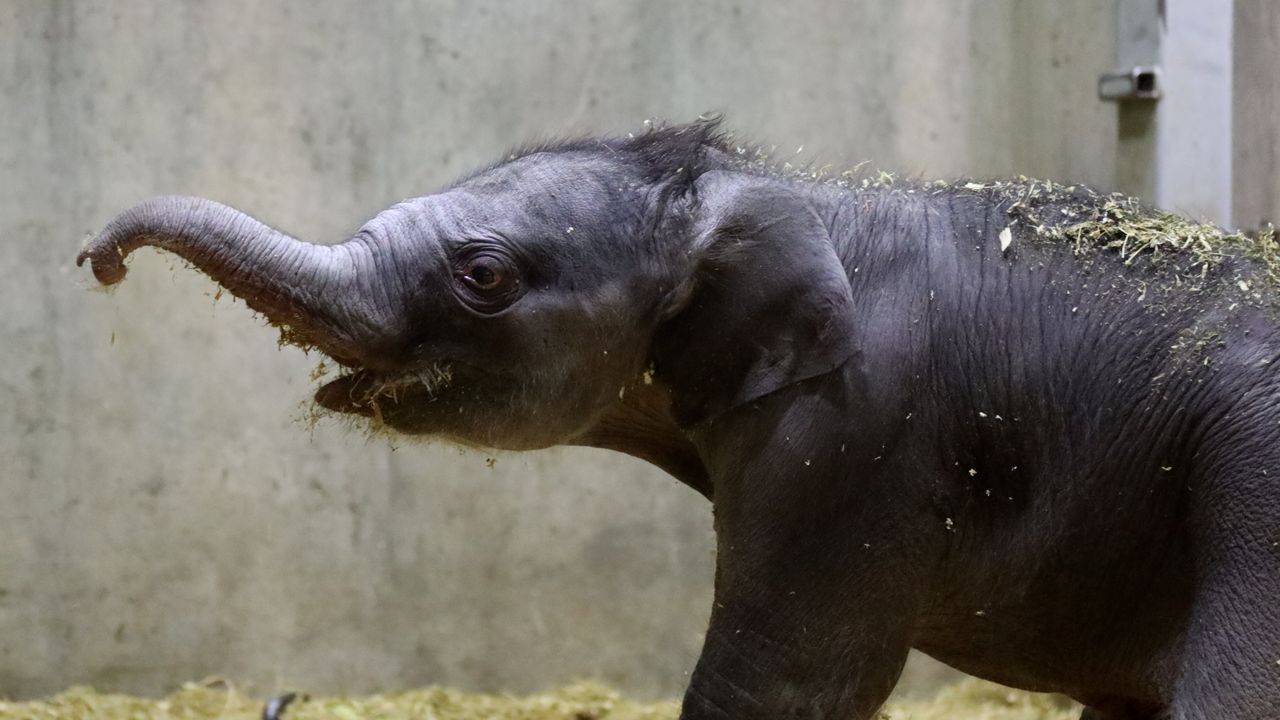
[
  {"x": 164, "y": 512},
  {"x": 1256, "y": 113}
]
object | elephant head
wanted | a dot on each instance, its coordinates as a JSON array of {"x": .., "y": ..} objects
[{"x": 527, "y": 305}]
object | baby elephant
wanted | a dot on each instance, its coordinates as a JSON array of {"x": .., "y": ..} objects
[{"x": 1031, "y": 430}]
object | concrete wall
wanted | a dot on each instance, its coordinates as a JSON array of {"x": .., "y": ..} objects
[
  {"x": 1256, "y": 113},
  {"x": 164, "y": 513}
]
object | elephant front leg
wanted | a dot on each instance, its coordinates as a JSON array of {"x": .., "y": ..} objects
[
  {"x": 808, "y": 641},
  {"x": 827, "y": 554},
  {"x": 782, "y": 671}
]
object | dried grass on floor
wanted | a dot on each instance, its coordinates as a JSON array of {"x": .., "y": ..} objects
[{"x": 968, "y": 700}]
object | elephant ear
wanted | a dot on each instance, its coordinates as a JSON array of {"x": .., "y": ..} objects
[{"x": 767, "y": 303}]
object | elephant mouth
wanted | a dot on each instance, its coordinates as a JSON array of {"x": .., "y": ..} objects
[{"x": 367, "y": 393}]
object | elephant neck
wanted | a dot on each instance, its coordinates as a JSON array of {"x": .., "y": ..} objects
[{"x": 640, "y": 424}]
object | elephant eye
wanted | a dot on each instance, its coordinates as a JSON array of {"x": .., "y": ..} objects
[
  {"x": 484, "y": 275},
  {"x": 487, "y": 280}
]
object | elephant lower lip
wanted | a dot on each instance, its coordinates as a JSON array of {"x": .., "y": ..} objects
[
  {"x": 369, "y": 393},
  {"x": 351, "y": 393}
]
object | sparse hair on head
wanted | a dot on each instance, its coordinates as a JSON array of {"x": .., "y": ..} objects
[
  {"x": 662, "y": 152},
  {"x": 676, "y": 152}
]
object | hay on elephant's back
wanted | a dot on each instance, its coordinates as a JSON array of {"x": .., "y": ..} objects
[{"x": 968, "y": 700}]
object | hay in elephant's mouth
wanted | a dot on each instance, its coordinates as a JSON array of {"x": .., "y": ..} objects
[
  {"x": 363, "y": 392},
  {"x": 966, "y": 700}
]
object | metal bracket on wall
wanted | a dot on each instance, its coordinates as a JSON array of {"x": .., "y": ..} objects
[
  {"x": 1172, "y": 93},
  {"x": 1141, "y": 82}
]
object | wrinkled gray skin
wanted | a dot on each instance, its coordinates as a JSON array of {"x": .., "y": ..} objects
[{"x": 911, "y": 438}]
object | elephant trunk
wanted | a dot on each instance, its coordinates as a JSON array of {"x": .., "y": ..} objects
[{"x": 309, "y": 291}]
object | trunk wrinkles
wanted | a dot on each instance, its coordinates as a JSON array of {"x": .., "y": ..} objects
[{"x": 311, "y": 292}]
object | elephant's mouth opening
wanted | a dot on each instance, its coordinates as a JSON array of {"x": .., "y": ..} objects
[{"x": 366, "y": 392}]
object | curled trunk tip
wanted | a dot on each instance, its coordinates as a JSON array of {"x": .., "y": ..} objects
[
  {"x": 108, "y": 266},
  {"x": 143, "y": 224}
]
